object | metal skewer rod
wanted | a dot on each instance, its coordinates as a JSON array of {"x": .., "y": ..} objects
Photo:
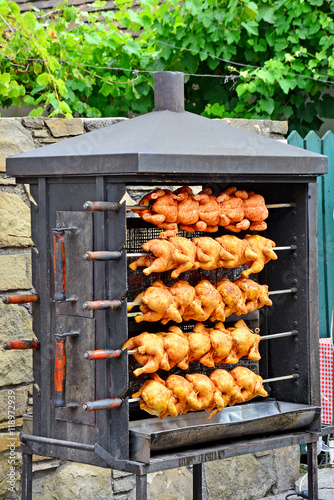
[
  {"x": 289, "y": 247},
  {"x": 132, "y": 315},
  {"x": 278, "y": 335},
  {"x": 273, "y": 205},
  {"x": 275, "y": 379},
  {"x": 144, "y": 254},
  {"x": 287, "y": 290},
  {"x": 281, "y": 205},
  {"x": 133, "y": 304}
]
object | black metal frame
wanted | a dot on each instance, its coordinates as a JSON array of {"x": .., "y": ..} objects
[
  {"x": 196, "y": 458},
  {"x": 109, "y": 438},
  {"x": 166, "y": 147}
]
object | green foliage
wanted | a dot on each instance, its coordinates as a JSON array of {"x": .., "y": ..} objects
[{"x": 271, "y": 58}]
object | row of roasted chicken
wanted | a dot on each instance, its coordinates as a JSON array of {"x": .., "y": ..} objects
[
  {"x": 210, "y": 346},
  {"x": 205, "y": 301},
  {"x": 178, "y": 395},
  {"x": 183, "y": 254},
  {"x": 233, "y": 209}
]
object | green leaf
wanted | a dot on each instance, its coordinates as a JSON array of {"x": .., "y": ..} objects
[
  {"x": 241, "y": 89},
  {"x": 28, "y": 21},
  {"x": 37, "y": 89},
  {"x": 267, "y": 105},
  {"x": 284, "y": 85},
  {"x": 43, "y": 79},
  {"x": 232, "y": 36},
  {"x": 250, "y": 27},
  {"x": 15, "y": 9},
  {"x": 93, "y": 38},
  {"x": 28, "y": 100},
  {"x": 132, "y": 47},
  {"x": 36, "y": 112},
  {"x": 267, "y": 13},
  {"x": 5, "y": 78}
]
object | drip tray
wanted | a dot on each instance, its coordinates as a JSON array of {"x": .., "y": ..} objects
[{"x": 153, "y": 435}]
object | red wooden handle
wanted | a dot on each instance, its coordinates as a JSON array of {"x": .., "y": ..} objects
[
  {"x": 102, "y": 354},
  {"x": 59, "y": 264},
  {"x": 19, "y": 299},
  {"x": 20, "y": 344},
  {"x": 100, "y": 305},
  {"x": 60, "y": 371}
]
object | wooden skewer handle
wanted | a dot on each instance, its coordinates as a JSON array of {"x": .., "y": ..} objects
[
  {"x": 100, "y": 305},
  {"x": 102, "y": 404},
  {"x": 102, "y": 354},
  {"x": 20, "y": 344},
  {"x": 60, "y": 372},
  {"x": 19, "y": 299},
  {"x": 102, "y": 255},
  {"x": 102, "y": 206}
]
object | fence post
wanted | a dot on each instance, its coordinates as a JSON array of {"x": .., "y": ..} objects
[{"x": 325, "y": 145}]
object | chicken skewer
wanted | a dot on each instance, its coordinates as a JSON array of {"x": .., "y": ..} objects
[
  {"x": 264, "y": 381},
  {"x": 182, "y": 254},
  {"x": 235, "y": 210},
  {"x": 116, "y": 353},
  {"x": 209, "y": 346},
  {"x": 182, "y": 302},
  {"x": 116, "y": 402},
  {"x": 178, "y": 395},
  {"x": 144, "y": 254},
  {"x": 273, "y": 292}
]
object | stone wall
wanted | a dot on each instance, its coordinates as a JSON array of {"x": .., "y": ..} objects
[{"x": 246, "y": 477}]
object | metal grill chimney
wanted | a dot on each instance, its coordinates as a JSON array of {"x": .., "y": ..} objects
[{"x": 169, "y": 91}]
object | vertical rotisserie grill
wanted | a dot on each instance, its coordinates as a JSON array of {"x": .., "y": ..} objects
[{"x": 78, "y": 186}]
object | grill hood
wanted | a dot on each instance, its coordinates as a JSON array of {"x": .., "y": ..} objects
[{"x": 168, "y": 141}]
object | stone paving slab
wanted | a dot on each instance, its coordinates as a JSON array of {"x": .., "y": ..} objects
[{"x": 325, "y": 490}]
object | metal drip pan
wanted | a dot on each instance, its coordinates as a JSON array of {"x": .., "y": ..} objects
[{"x": 152, "y": 435}]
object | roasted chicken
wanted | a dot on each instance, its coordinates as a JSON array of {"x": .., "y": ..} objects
[
  {"x": 204, "y": 301},
  {"x": 235, "y": 210},
  {"x": 178, "y": 395},
  {"x": 249, "y": 383},
  {"x": 182, "y": 254},
  {"x": 209, "y": 346}
]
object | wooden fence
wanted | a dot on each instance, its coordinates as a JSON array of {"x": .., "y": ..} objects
[{"x": 325, "y": 146}]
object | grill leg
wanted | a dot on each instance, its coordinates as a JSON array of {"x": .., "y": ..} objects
[
  {"x": 312, "y": 466},
  {"x": 141, "y": 487},
  {"x": 197, "y": 481},
  {"x": 26, "y": 479}
]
